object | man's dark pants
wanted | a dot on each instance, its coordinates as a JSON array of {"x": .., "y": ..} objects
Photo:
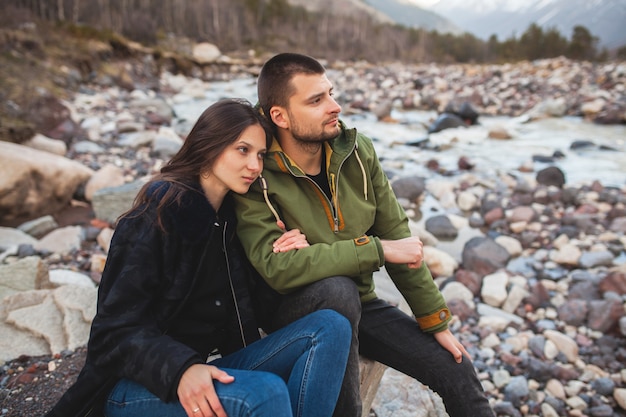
[{"x": 386, "y": 334}]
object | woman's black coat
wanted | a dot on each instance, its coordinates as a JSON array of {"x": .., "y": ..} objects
[{"x": 147, "y": 278}]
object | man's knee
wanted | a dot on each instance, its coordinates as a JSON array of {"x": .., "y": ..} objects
[{"x": 338, "y": 293}]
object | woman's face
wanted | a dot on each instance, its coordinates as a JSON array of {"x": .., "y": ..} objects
[{"x": 240, "y": 164}]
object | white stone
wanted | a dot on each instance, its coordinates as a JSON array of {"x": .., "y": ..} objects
[
  {"x": 62, "y": 241},
  {"x": 486, "y": 310},
  {"x": 576, "y": 403},
  {"x": 67, "y": 277},
  {"x": 548, "y": 411},
  {"x": 439, "y": 262},
  {"x": 550, "y": 350},
  {"x": 620, "y": 397},
  {"x": 206, "y": 53},
  {"x": 568, "y": 254},
  {"x": 28, "y": 273},
  {"x": 458, "y": 291},
  {"x": 46, "y": 144},
  {"x": 512, "y": 245},
  {"x": 555, "y": 388},
  {"x": 491, "y": 341},
  {"x": 493, "y": 291},
  {"x": 514, "y": 298},
  {"x": 14, "y": 237},
  {"x": 107, "y": 176},
  {"x": 563, "y": 343},
  {"x": 467, "y": 201},
  {"x": 44, "y": 320},
  {"x": 104, "y": 238}
]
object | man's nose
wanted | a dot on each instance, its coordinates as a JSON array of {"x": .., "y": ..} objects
[{"x": 335, "y": 107}]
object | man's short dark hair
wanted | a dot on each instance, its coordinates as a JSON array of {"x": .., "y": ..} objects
[{"x": 274, "y": 85}]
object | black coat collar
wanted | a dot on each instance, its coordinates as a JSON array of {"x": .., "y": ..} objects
[{"x": 194, "y": 216}]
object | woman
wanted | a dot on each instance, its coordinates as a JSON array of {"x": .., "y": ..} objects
[{"x": 176, "y": 290}]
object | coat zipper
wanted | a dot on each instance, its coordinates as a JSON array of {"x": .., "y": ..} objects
[{"x": 232, "y": 287}]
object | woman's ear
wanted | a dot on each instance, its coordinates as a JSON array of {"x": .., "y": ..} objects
[{"x": 279, "y": 117}]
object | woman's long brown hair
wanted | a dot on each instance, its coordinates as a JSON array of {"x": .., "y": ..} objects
[{"x": 218, "y": 126}]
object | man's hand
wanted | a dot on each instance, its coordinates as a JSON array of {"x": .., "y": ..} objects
[
  {"x": 409, "y": 250},
  {"x": 196, "y": 392},
  {"x": 451, "y": 344},
  {"x": 291, "y": 239}
]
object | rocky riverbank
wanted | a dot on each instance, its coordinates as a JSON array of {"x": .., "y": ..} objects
[{"x": 534, "y": 268}]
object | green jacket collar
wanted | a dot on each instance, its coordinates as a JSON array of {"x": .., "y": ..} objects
[{"x": 337, "y": 150}]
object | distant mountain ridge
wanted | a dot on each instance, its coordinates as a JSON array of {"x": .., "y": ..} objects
[
  {"x": 413, "y": 16},
  {"x": 401, "y": 12},
  {"x": 605, "y": 19}
]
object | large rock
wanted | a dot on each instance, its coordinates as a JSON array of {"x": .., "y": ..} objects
[
  {"x": 34, "y": 183},
  {"x": 111, "y": 202},
  {"x": 206, "y": 53},
  {"x": 484, "y": 256},
  {"x": 15, "y": 342},
  {"x": 26, "y": 274}
]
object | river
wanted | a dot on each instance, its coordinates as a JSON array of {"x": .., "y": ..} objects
[{"x": 604, "y": 160}]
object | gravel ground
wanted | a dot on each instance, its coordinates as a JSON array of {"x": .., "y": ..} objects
[{"x": 30, "y": 386}]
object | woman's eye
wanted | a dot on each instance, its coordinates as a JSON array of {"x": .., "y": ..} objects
[
  {"x": 242, "y": 149},
  {"x": 262, "y": 155}
]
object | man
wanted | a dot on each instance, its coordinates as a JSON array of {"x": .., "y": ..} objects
[{"x": 326, "y": 180}]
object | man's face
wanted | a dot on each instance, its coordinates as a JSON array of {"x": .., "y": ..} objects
[{"x": 313, "y": 113}]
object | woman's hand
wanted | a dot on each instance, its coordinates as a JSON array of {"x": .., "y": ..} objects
[
  {"x": 291, "y": 239},
  {"x": 451, "y": 344},
  {"x": 196, "y": 392}
]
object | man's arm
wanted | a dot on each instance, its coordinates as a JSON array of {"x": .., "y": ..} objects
[
  {"x": 288, "y": 271},
  {"x": 415, "y": 284}
]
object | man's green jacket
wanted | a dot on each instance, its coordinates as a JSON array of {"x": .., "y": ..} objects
[{"x": 344, "y": 231}]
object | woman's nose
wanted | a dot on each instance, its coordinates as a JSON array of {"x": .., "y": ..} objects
[{"x": 255, "y": 164}]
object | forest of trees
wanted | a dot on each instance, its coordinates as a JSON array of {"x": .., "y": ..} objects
[{"x": 270, "y": 25}]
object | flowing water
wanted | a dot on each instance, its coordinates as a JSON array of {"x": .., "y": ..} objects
[{"x": 604, "y": 160}]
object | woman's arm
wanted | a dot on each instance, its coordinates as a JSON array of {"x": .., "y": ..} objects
[{"x": 127, "y": 337}]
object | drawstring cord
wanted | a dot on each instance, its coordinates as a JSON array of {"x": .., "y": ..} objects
[
  {"x": 263, "y": 183},
  {"x": 356, "y": 153}
]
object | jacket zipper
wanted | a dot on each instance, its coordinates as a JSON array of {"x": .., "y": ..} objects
[
  {"x": 232, "y": 287},
  {"x": 334, "y": 206}
]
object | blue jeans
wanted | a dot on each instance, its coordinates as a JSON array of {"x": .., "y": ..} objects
[
  {"x": 296, "y": 371},
  {"x": 384, "y": 333}
]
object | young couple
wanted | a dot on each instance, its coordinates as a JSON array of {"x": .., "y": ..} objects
[{"x": 177, "y": 287}]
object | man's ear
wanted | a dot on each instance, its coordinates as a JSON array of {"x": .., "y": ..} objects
[{"x": 279, "y": 117}]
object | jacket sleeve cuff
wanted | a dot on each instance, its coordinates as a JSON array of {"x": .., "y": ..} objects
[
  {"x": 435, "y": 321},
  {"x": 379, "y": 248}
]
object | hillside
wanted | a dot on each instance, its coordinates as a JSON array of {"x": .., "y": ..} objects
[
  {"x": 412, "y": 16},
  {"x": 42, "y": 61}
]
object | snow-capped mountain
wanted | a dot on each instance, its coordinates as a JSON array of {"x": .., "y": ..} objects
[{"x": 605, "y": 19}]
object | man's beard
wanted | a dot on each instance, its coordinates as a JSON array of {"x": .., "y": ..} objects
[{"x": 307, "y": 138}]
